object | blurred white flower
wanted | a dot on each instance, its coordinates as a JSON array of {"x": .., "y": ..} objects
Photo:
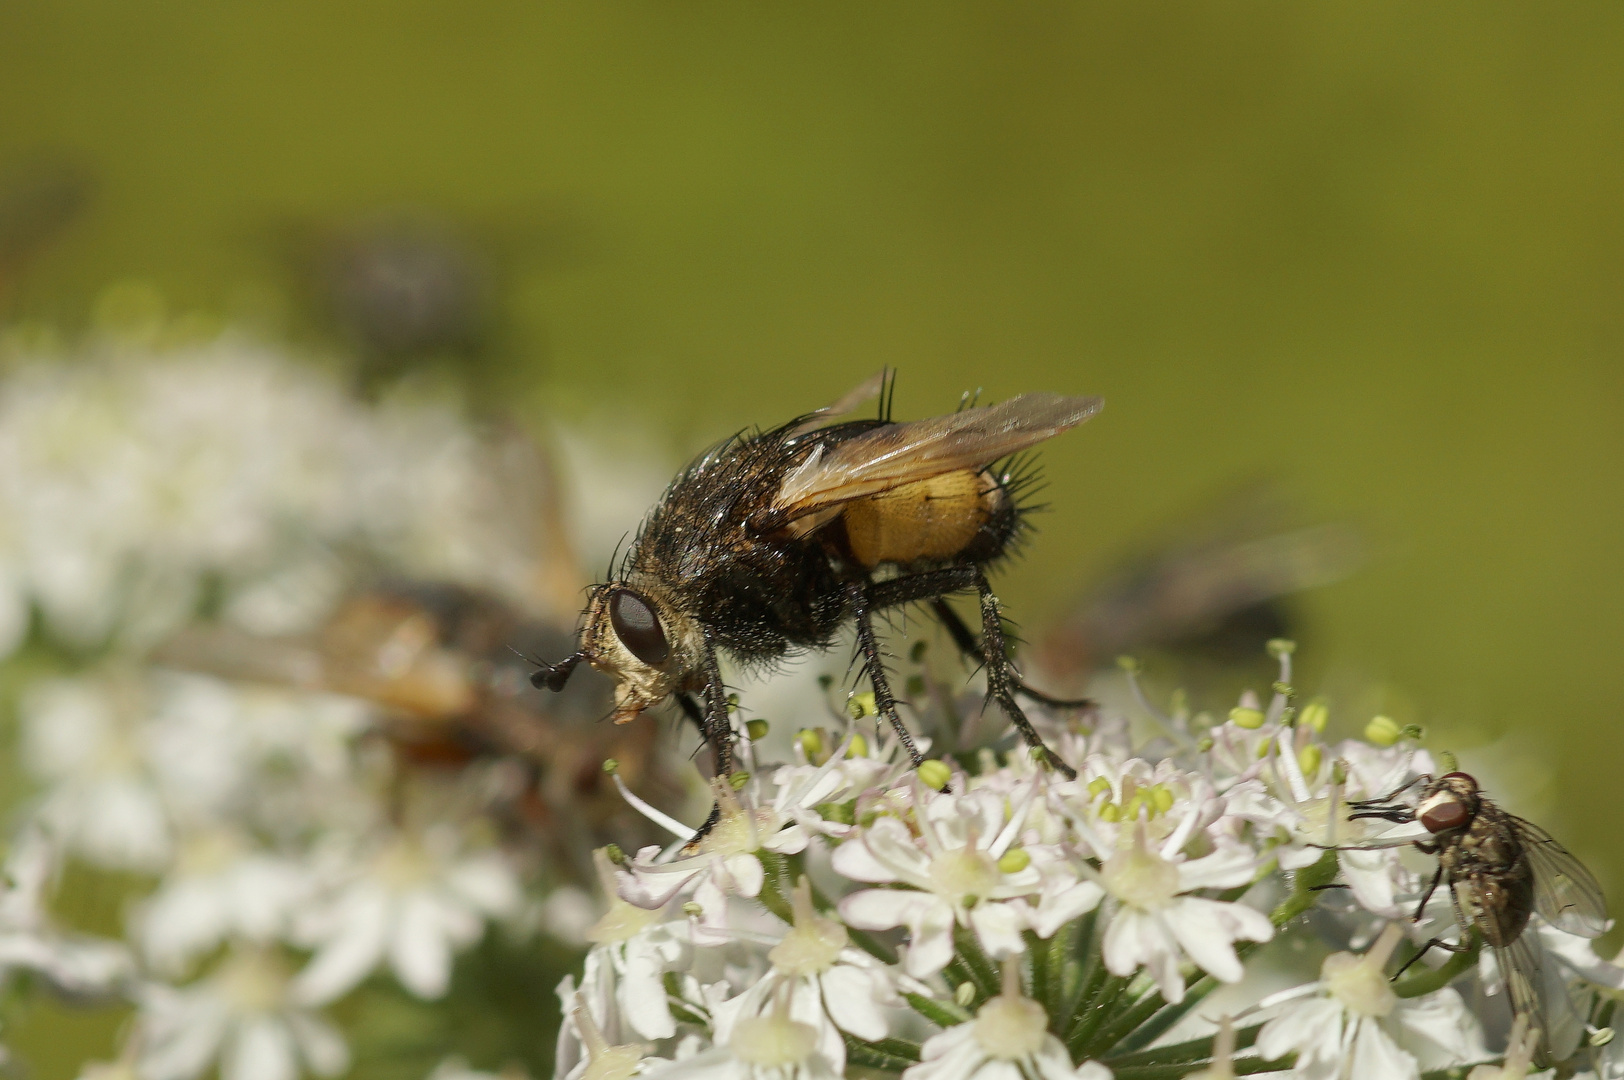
[
  {"x": 241, "y": 1017},
  {"x": 415, "y": 901},
  {"x": 219, "y": 889},
  {"x": 83, "y": 737}
]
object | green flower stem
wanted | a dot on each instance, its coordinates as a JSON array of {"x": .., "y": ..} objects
[
  {"x": 1119, "y": 1027},
  {"x": 779, "y": 874},
  {"x": 1095, "y": 1009},
  {"x": 941, "y": 1013},
  {"x": 1437, "y": 978},
  {"x": 981, "y": 970},
  {"x": 1037, "y": 954},
  {"x": 1305, "y": 886},
  {"x": 889, "y": 1055},
  {"x": 1243, "y": 1067},
  {"x": 1062, "y": 971},
  {"x": 1196, "y": 1050},
  {"x": 1459, "y": 1072}
]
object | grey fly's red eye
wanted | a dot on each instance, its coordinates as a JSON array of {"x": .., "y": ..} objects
[
  {"x": 638, "y": 627},
  {"x": 1445, "y": 816}
]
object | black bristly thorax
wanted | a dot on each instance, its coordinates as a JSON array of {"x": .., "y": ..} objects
[{"x": 760, "y": 594}]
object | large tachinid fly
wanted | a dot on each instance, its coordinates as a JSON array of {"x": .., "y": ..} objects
[
  {"x": 772, "y": 541},
  {"x": 1500, "y": 869}
]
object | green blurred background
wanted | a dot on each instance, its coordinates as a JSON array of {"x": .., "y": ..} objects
[{"x": 1372, "y": 252}]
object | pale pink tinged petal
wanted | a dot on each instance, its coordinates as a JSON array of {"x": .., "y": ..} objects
[
  {"x": 999, "y": 927},
  {"x": 1229, "y": 866},
  {"x": 882, "y": 909},
  {"x": 1296, "y": 858},
  {"x": 889, "y": 841},
  {"x": 854, "y": 1000},
  {"x": 1131, "y": 937},
  {"x": 1056, "y": 909},
  {"x": 854, "y": 860},
  {"x": 806, "y": 1007},
  {"x": 746, "y": 872},
  {"x": 1302, "y": 1027},
  {"x": 951, "y": 1055},
  {"x": 645, "y": 888},
  {"x": 350, "y": 953},
  {"x": 1374, "y": 1054},
  {"x": 930, "y": 945},
  {"x": 260, "y": 1049},
  {"x": 1369, "y": 875},
  {"x": 320, "y": 1043},
  {"x": 1207, "y": 929},
  {"x": 419, "y": 951},
  {"x": 791, "y": 840},
  {"x": 1443, "y": 1019},
  {"x": 641, "y": 994},
  {"x": 996, "y": 1069}
]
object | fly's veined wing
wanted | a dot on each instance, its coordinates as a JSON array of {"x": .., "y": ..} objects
[
  {"x": 1565, "y": 893},
  {"x": 897, "y": 454},
  {"x": 845, "y": 403}
]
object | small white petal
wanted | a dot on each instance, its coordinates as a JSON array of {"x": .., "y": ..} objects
[
  {"x": 260, "y": 1049},
  {"x": 855, "y": 999}
]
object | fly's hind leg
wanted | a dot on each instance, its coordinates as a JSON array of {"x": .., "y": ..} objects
[
  {"x": 1001, "y": 682},
  {"x": 863, "y": 606},
  {"x": 971, "y": 648}
]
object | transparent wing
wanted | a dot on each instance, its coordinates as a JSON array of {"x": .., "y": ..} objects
[
  {"x": 848, "y": 402},
  {"x": 1565, "y": 894},
  {"x": 897, "y": 454}
]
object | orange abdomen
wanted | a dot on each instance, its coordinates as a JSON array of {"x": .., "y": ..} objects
[{"x": 927, "y": 520}]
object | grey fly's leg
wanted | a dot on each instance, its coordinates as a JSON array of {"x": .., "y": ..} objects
[
  {"x": 694, "y": 712},
  {"x": 885, "y": 702},
  {"x": 999, "y": 682},
  {"x": 717, "y": 731},
  {"x": 1461, "y": 921},
  {"x": 971, "y": 648}
]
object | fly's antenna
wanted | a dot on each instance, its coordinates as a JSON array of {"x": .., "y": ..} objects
[{"x": 554, "y": 676}]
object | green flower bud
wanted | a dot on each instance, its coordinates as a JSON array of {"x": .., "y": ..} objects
[
  {"x": 1315, "y": 716},
  {"x": 861, "y": 705},
  {"x": 1128, "y": 664},
  {"x": 1383, "y": 731},
  {"x": 1308, "y": 759},
  {"x": 1098, "y": 786},
  {"x": 1161, "y": 798},
  {"x": 1110, "y": 812},
  {"x": 811, "y": 742},
  {"x": 965, "y": 994},
  {"x": 693, "y": 909},
  {"x": 1250, "y": 719},
  {"x": 1280, "y": 646},
  {"x": 756, "y": 729},
  {"x": 737, "y": 780},
  {"x": 611, "y": 766},
  {"x": 934, "y": 774},
  {"x": 858, "y": 748},
  {"x": 1014, "y": 861}
]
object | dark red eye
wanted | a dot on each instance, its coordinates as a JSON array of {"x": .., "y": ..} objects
[
  {"x": 638, "y": 627},
  {"x": 1445, "y": 816}
]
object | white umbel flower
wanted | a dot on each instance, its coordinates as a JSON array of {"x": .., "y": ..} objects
[
  {"x": 1009, "y": 1039},
  {"x": 243, "y": 1017},
  {"x": 416, "y": 902}
]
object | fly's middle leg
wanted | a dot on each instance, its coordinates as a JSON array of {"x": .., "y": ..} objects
[
  {"x": 717, "y": 731},
  {"x": 1000, "y": 684}
]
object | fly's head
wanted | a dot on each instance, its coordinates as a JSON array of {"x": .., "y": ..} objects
[
  {"x": 1449, "y": 804},
  {"x": 641, "y": 640}
]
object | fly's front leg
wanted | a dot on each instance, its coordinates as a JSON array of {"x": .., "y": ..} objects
[
  {"x": 999, "y": 682},
  {"x": 717, "y": 731},
  {"x": 885, "y": 702},
  {"x": 1421, "y": 908}
]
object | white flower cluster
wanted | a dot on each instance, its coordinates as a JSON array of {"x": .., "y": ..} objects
[
  {"x": 289, "y": 855},
  {"x": 989, "y": 919}
]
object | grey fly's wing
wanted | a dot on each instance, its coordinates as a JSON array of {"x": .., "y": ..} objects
[
  {"x": 1565, "y": 893},
  {"x": 896, "y": 454},
  {"x": 848, "y": 402}
]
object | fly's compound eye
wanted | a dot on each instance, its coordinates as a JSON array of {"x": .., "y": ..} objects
[
  {"x": 638, "y": 627},
  {"x": 1446, "y": 815}
]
